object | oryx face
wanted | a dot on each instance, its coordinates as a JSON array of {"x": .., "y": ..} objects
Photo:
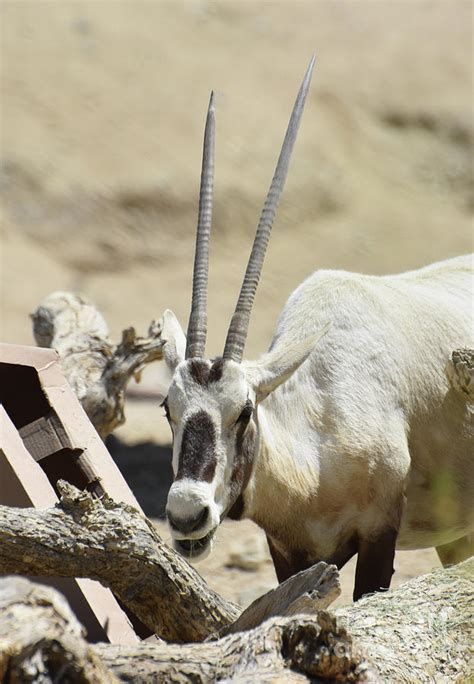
[{"x": 210, "y": 406}]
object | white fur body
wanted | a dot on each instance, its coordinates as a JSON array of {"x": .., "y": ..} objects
[{"x": 370, "y": 414}]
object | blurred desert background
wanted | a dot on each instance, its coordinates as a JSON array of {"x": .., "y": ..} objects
[{"x": 102, "y": 113}]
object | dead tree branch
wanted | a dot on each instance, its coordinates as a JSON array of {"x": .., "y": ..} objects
[
  {"x": 97, "y": 370},
  {"x": 41, "y": 639},
  {"x": 147, "y": 575},
  {"x": 116, "y": 545},
  {"x": 422, "y": 631},
  {"x": 289, "y": 649}
]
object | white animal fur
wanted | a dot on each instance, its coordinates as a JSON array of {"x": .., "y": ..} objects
[
  {"x": 369, "y": 416},
  {"x": 371, "y": 412}
]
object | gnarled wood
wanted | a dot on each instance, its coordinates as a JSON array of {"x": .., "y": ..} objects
[
  {"x": 460, "y": 371},
  {"x": 41, "y": 639},
  {"x": 306, "y": 592},
  {"x": 116, "y": 545},
  {"x": 422, "y": 631},
  {"x": 97, "y": 370},
  {"x": 156, "y": 583},
  {"x": 283, "y": 649}
]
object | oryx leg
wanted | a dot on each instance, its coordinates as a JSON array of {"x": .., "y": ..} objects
[
  {"x": 288, "y": 563},
  {"x": 456, "y": 551},
  {"x": 376, "y": 554},
  {"x": 374, "y": 567}
]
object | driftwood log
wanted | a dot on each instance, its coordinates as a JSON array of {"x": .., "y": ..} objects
[
  {"x": 41, "y": 639},
  {"x": 148, "y": 576},
  {"x": 116, "y": 545},
  {"x": 422, "y": 631},
  {"x": 97, "y": 370}
]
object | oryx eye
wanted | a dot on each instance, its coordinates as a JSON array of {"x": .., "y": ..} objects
[
  {"x": 246, "y": 412},
  {"x": 164, "y": 405}
]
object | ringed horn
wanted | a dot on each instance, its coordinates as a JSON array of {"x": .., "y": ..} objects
[
  {"x": 197, "y": 326},
  {"x": 238, "y": 329}
]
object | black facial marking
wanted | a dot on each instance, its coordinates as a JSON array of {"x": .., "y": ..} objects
[
  {"x": 245, "y": 447},
  {"x": 165, "y": 406},
  {"x": 246, "y": 412},
  {"x": 197, "y": 458},
  {"x": 202, "y": 373}
]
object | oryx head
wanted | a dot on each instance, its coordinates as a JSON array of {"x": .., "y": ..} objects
[{"x": 211, "y": 403}]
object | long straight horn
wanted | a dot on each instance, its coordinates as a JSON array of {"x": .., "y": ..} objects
[
  {"x": 237, "y": 335},
  {"x": 197, "y": 326}
]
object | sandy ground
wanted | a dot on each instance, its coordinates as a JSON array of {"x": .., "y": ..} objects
[{"x": 103, "y": 105}]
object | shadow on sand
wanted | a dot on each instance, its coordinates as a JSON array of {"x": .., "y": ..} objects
[{"x": 147, "y": 469}]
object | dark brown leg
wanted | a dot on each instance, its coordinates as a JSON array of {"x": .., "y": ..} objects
[
  {"x": 374, "y": 568},
  {"x": 288, "y": 563},
  {"x": 344, "y": 553}
]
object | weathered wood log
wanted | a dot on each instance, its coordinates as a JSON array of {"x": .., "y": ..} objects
[
  {"x": 423, "y": 631},
  {"x": 116, "y": 545},
  {"x": 283, "y": 649},
  {"x": 306, "y": 592},
  {"x": 41, "y": 639},
  {"x": 156, "y": 583},
  {"x": 420, "y": 632},
  {"x": 97, "y": 370},
  {"x": 460, "y": 371}
]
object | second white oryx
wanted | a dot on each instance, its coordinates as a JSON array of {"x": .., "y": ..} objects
[{"x": 339, "y": 440}]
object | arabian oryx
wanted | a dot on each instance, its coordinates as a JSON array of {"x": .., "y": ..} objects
[{"x": 346, "y": 436}]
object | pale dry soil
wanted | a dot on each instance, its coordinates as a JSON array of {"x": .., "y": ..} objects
[
  {"x": 102, "y": 111},
  {"x": 243, "y": 586}
]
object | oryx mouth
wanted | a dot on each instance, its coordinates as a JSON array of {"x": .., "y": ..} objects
[{"x": 193, "y": 548}]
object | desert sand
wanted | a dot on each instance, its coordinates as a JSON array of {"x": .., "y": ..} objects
[{"x": 103, "y": 106}]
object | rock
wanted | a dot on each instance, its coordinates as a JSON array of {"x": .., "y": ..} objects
[{"x": 250, "y": 554}]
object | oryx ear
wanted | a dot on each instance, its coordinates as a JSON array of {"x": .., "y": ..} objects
[
  {"x": 279, "y": 364},
  {"x": 174, "y": 340}
]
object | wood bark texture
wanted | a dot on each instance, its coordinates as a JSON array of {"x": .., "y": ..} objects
[
  {"x": 421, "y": 632},
  {"x": 41, "y": 640},
  {"x": 97, "y": 370},
  {"x": 283, "y": 649},
  {"x": 461, "y": 372},
  {"x": 155, "y": 582},
  {"x": 306, "y": 592},
  {"x": 116, "y": 545}
]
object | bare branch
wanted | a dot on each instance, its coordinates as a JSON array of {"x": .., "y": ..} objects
[
  {"x": 116, "y": 545},
  {"x": 97, "y": 370}
]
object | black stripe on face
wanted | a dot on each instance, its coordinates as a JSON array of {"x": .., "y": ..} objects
[
  {"x": 245, "y": 449},
  {"x": 197, "y": 458}
]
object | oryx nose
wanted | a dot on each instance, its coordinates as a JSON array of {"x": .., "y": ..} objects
[{"x": 187, "y": 525}]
